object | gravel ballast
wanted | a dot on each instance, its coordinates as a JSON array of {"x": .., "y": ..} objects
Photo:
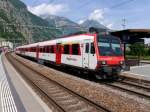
[{"x": 114, "y": 100}]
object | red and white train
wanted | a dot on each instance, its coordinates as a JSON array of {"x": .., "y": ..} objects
[{"x": 102, "y": 54}]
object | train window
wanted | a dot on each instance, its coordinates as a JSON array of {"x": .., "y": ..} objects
[
  {"x": 49, "y": 49},
  {"x": 66, "y": 49},
  {"x": 75, "y": 49},
  {"x": 41, "y": 49},
  {"x": 34, "y": 49},
  {"x": 92, "y": 48},
  {"x": 30, "y": 49},
  {"x": 52, "y": 49},
  {"x": 46, "y": 49},
  {"x": 87, "y": 48}
]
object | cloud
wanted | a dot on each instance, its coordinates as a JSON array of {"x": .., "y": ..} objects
[
  {"x": 47, "y": 9},
  {"x": 81, "y": 21},
  {"x": 110, "y": 26},
  {"x": 97, "y": 15}
]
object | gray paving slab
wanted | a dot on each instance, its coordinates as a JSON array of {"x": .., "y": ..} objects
[
  {"x": 7, "y": 103},
  {"x": 143, "y": 70},
  {"x": 0, "y": 92},
  {"x": 25, "y": 98}
]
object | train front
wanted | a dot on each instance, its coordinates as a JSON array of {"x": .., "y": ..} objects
[{"x": 110, "y": 56}]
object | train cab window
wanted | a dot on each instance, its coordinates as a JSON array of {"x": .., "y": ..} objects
[
  {"x": 66, "y": 49},
  {"x": 92, "y": 48},
  {"x": 75, "y": 49},
  {"x": 87, "y": 48}
]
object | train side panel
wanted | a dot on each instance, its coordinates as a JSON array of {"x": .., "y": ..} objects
[
  {"x": 48, "y": 56},
  {"x": 83, "y": 59}
]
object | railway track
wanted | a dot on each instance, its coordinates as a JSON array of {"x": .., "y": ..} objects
[
  {"x": 63, "y": 99},
  {"x": 135, "y": 88}
]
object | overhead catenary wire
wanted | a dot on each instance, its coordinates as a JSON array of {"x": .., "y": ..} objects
[{"x": 122, "y": 3}]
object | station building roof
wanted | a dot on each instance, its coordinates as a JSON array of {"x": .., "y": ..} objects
[{"x": 132, "y": 35}]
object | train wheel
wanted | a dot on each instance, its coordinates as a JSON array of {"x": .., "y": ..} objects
[
  {"x": 97, "y": 76},
  {"x": 101, "y": 76},
  {"x": 41, "y": 62},
  {"x": 90, "y": 76},
  {"x": 115, "y": 77}
]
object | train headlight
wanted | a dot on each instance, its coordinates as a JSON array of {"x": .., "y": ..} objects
[
  {"x": 103, "y": 62},
  {"x": 121, "y": 62}
]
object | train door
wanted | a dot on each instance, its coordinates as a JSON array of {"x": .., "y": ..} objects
[
  {"x": 86, "y": 54},
  {"x": 92, "y": 57},
  {"x": 58, "y": 53}
]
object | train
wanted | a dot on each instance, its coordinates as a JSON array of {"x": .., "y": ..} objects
[{"x": 99, "y": 54}]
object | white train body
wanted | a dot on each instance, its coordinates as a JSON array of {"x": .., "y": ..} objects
[{"x": 79, "y": 51}]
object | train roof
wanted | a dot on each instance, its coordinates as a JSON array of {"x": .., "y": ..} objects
[
  {"x": 69, "y": 39},
  {"x": 29, "y": 45}
]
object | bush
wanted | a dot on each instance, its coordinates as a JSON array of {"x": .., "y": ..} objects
[{"x": 137, "y": 49}]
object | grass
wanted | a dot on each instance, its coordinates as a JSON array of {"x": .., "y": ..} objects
[
  {"x": 146, "y": 58},
  {"x": 136, "y": 57}
]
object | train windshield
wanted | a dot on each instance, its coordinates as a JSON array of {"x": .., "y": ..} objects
[{"x": 109, "y": 46}]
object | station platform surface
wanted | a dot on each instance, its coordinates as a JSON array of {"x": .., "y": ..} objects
[
  {"x": 142, "y": 70},
  {"x": 15, "y": 94}
]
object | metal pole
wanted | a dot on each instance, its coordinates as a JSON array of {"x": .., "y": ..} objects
[{"x": 124, "y": 23}]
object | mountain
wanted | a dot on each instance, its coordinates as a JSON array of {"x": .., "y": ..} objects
[
  {"x": 93, "y": 23},
  {"x": 17, "y": 23},
  {"x": 67, "y": 26}
]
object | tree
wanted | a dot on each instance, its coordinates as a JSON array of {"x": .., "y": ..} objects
[{"x": 137, "y": 49}]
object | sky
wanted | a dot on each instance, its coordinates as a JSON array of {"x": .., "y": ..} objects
[{"x": 110, "y": 13}]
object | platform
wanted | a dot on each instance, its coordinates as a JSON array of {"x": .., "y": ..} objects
[
  {"x": 142, "y": 71},
  {"x": 15, "y": 94}
]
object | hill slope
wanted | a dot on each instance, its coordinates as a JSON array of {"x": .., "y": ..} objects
[
  {"x": 67, "y": 26},
  {"x": 18, "y": 23},
  {"x": 93, "y": 23}
]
